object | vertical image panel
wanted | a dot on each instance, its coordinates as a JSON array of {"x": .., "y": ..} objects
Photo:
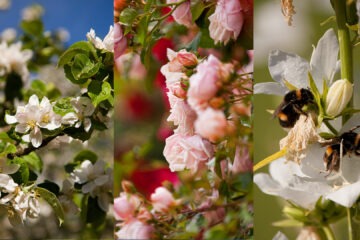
[
  {"x": 183, "y": 128},
  {"x": 306, "y": 122},
  {"x": 56, "y": 104}
]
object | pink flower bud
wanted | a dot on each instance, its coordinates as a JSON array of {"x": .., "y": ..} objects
[
  {"x": 187, "y": 59},
  {"x": 211, "y": 124},
  {"x": 182, "y": 14},
  {"x": 125, "y": 206},
  {"x": 120, "y": 42},
  {"x": 162, "y": 200}
]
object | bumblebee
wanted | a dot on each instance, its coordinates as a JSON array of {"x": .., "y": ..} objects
[
  {"x": 290, "y": 108},
  {"x": 348, "y": 143}
]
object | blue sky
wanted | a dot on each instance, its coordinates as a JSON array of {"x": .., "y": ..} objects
[{"x": 77, "y": 16}]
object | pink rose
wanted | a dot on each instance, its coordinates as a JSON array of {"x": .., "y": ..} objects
[
  {"x": 227, "y": 20},
  {"x": 182, "y": 115},
  {"x": 125, "y": 206},
  {"x": 205, "y": 83},
  {"x": 190, "y": 152},
  {"x": 120, "y": 42},
  {"x": 182, "y": 14},
  {"x": 162, "y": 200},
  {"x": 211, "y": 124},
  {"x": 135, "y": 229},
  {"x": 187, "y": 59}
]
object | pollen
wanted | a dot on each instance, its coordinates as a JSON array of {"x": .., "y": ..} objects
[
  {"x": 31, "y": 123},
  {"x": 45, "y": 118}
]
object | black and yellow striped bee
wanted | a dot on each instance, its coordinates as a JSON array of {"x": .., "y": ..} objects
[
  {"x": 348, "y": 143},
  {"x": 290, "y": 108}
]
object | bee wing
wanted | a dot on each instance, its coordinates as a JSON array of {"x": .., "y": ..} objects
[{"x": 281, "y": 107}]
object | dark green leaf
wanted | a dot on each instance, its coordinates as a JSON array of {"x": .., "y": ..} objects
[
  {"x": 70, "y": 76},
  {"x": 22, "y": 175},
  {"x": 127, "y": 16},
  {"x": 50, "y": 186},
  {"x": 63, "y": 106},
  {"x": 81, "y": 47},
  {"x": 34, "y": 27},
  {"x": 197, "y": 8},
  {"x": 34, "y": 161},
  {"x": 85, "y": 155},
  {"x": 83, "y": 67},
  {"x": 99, "y": 91},
  {"x": 53, "y": 201}
]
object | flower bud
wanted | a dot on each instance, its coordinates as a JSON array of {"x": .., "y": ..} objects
[
  {"x": 295, "y": 213},
  {"x": 338, "y": 97},
  {"x": 162, "y": 200},
  {"x": 187, "y": 59}
]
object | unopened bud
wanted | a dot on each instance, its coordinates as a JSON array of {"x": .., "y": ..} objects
[
  {"x": 128, "y": 187},
  {"x": 187, "y": 59},
  {"x": 295, "y": 213},
  {"x": 338, "y": 97}
]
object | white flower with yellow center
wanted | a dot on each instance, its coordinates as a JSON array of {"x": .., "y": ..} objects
[
  {"x": 107, "y": 43},
  {"x": 32, "y": 117},
  {"x": 83, "y": 110}
]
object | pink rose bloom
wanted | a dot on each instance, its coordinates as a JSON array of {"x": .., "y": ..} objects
[
  {"x": 182, "y": 13},
  {"x": 182, "y": 115},
  {"x": 162, "y": 200},
  {"x": 187, "y": 152},
  {"x": 227, "y": 20},
  {"x": 125, "y": 206},
  {"x": 135, "y": 229},
  {"x": 120, "y": 42},
  {"x": 211, "y": 124}
]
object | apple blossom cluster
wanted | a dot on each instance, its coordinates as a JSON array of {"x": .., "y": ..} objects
[
  {"x": 14, "y": 60},
  {"x": 36, "y": 115},
  {"x": 136, "y": 221},
  {"x": 197, "y": 104}
]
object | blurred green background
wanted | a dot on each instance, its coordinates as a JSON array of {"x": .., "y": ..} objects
[{"x": 272, "y": 32}]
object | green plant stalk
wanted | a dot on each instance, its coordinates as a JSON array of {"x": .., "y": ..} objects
[
  {"x": 350, "y": 231},
  {"x": 346, "y": 57},
  {"x": 328, "y": 232}
]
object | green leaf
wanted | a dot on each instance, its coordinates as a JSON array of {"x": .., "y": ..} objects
[
  {"x": 71, "y": 77},
  {"x": 197, "y": 8},
  {"x": 81, "y": 47},
  {"x": 50, "y": 186},
  {"x": 63, "y": 106},
  {"x": 34, "y": 27},
  {"x": 316, "y": 93},
  {"x": 127, "y": 16},
  {"x": 22, "y": 175},
  {"x": 83, "y": 67},
  {"x": 99, "y": 91},
  {"x": 53, "y": 201},
  {"x": 34, "y": 161},
  {"x": 85, "y": 155}
]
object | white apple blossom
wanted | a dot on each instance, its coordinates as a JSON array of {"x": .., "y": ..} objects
[
  {"x": 4, "y": 4},
  {"x": 32, "y": 117},
  {"x": 7, "y": 185},
  {"x": 304, "y": 183},
  {"x": 32, "y": 12},
  {"x": 13, "y": 59},
  {"x": 83, "y": 110},
  {"x": 290, "y": 68},
  {"x": 8, "y": 34},
  {"x": 107, "y": 43},
  {"x": 96, "y": 180}
]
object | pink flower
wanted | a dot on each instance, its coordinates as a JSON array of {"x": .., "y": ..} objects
[
  {"x": 135, "y": 229},
  {"x": 227, "y": 20},
  {"x": 162, "y": 200},
  {"x": 205, "y": 83},
  {"x": 211, "y": 124},
  {"x": 120, "y": 42},
  {"x": 125, "y": 206},
  {"x": 182, "y": 14},
  {"x": 242, "y": 161},
  {"x": 182, "y": 115},
  {"x": 187, "y": 59},
  {"x": 187, "y": 152}
]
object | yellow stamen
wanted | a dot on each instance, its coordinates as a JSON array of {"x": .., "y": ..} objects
[{"x": 269, "y": 159}]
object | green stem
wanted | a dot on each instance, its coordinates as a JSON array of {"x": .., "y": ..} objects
[
  {"x": 346, "y": 57},
  {"x": 329, "y": 126},
  {"x": 350, "y": 231},
  {"x": 328, "y": 232}
]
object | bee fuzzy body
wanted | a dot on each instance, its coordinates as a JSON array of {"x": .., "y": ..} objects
[
  {"x": 290, "y": 109},
  {"x": 348, "y": 143}
]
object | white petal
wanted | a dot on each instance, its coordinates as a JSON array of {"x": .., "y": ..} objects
[
  {"x": 88, "y": 187},
  {"x": 87, "y": 124},
  {"x": 103, "y": 201},
  {"x": 272, "y": 88},
  {"x": 347, "y": 195},
  {"x": 69, "y": 118},
  {"x": 280, "y": 236},
  {"x": 290, "y": 67},
  {"x": 101, "y": 180},
  {"x": 324, "y": 58},
  {"x": 34, "y": 100},
  {"x": 10, "y": 119},
  {"x": 22, "y": 128},
  {"x": 36, "y": 137}
]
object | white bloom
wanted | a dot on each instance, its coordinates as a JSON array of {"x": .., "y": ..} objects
[
  {"x": 83, "y": 110},
  {"x": 8, "y": 35},
  {"x": 13, "y": 59},
  {"x": 32, "y": 117},
  {"x": 338, "y": 96},
  {"x": 303, "y": 184},
  {"x": 7, "y": 185},
  {"x": 26, "y": 205},
  {"x": 107, "y": 43},
  {"x": 288, "y": 67},
  {"x": 4, "y": 4},
  {"x": 32, "y": 13},
  {"x": 280, "y": 236},
  {"x": 96, "y": 180},
  {"x": 63, "y": 34}
]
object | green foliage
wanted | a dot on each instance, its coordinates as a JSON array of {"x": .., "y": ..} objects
[{"x": 53, "y": 201}]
